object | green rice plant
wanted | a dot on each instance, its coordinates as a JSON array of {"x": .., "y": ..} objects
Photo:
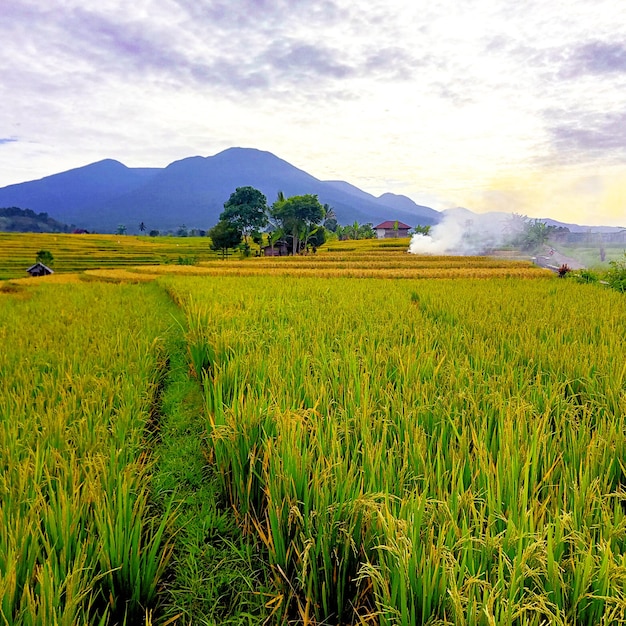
[
  {"x": 433, "y": 452},
  {"x": 81, "y": 371}
]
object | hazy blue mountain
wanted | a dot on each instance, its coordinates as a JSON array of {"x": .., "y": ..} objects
[
  {"x": 192, "y": 191},
  {"x": 79, "y": 195},
  {"x": 399, "y": 204},
  {"x": 403, "y": 203},
  {"x": 461, "y": 214},
  {"x": 352, "y": 190},
  {"x": 581, "y": 228}
]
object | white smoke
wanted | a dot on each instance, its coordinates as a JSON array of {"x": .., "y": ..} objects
[{"x": 464, "y": 233}]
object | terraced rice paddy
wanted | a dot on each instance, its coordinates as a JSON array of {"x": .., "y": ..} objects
[
  {"x": 75, "y": 253},
  {"x": 415, "y": 451}
]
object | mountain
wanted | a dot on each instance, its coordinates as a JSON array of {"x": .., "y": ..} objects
[
  {"x": 192, "y": 191},
  {"x": 78, "y": 195},
  {"x": 494, "y": 219},
  {"x": 403, "y": 203},
  {"x": 391, "y": 200},
  {"x": 581, "y": 228}
]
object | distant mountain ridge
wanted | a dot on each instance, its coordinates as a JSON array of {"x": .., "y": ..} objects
[
  {"x": 500, "y": 218},
  {"x": 192, "y": 191}
]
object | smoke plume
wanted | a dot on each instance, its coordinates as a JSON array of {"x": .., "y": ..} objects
[{"x": 464, "y": 233}]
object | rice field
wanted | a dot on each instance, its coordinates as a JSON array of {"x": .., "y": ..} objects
[
  {"x": 447, "y": 448},
  {"x": 80, "y": 368},
  {"x": 434, "y": 452},
  {"x": 89, "y": 255},
  {"x": 76, "y": 253}
]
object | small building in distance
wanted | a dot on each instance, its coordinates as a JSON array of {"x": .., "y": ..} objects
[
  {"x": 278, "y": 249},
  {"x": 39, "y": 269},
  {"x": 389, "y": 229}
]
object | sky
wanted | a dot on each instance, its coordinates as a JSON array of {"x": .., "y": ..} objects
[{"x": 509, "y": 105}]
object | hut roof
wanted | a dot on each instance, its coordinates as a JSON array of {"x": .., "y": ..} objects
[
  {"x": 40, "y": 267},
  {"x": 391, "y": 225}
]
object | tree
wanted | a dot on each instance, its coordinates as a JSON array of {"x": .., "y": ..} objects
[
  {"x": 246, "y": 209},
  {"x": 45, "y": 257},
  {"x": 329, "y": 221},
  {"x": 273, "y": 236},
  {"x": 318, "y": 238},
  {"x": 356, "y": 231},
  {"x": 257, "y": 238},
  {"x": 422, "y": 230},
  {"x": 142, "y": 227},
  {"x": 353, "y": 230},
  {"x": 121, "y": 229},
  {"x": 298, "y": 214},
  {"x": 306, "y": 233},
  {"x": 224, "y": 235},
  {"x": 535, "y": 234},
  {"x": 366, "y": 231},
  {"x": 616, "y": 276}
]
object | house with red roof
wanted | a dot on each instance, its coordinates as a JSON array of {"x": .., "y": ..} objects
[{"x": 388, "y": 229}]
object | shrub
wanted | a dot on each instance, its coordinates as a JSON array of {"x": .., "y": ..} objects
[
  {"x": 585, "y": 276},
  {"x": 564, "y": 270},
  {"x": 616, "y": 276}
]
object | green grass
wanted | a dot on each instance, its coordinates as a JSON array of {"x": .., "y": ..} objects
[
  {"x": 590, "y": 256},
  {"x": 217, "y": 574}
]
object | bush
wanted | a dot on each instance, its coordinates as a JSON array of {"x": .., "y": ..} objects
[
  {"x": 564, "y": 270},
  {"x": 616, "y": 276},
  {"x": 585, "y": 276},
  {"x": 45, "y": 257}
]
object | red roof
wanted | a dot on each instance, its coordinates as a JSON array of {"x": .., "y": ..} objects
[{"x": 391, "y": 225}]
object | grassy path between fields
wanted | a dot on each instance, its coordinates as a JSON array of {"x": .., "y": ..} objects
[{"x": 216, "y": 574}]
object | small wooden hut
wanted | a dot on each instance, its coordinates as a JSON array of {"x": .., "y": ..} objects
[
  {"x": 39, "y": 269},
  {"x": 278, "y": 249}
]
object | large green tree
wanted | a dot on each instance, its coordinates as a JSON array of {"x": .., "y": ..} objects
[
  {"x": 298, "y": 214},
  {"x": 537, "y": 234},
  {"x": 246, "y": 209},
  {"x": 224, "y": 235}
]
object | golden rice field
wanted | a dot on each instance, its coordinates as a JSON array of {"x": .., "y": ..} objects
[
  {"x": 428, "y": 452},
  {"x": 87, "y": 254},
  {"x": 402, "y": 452},
  {"x": 80, "y": 367},
  {"x": 75, "y": 253}
]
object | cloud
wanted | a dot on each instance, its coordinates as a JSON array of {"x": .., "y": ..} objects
[
  {"x": 252, "y": 47},
  {"x": 5, "y": 140},
  {"x": 596, "y": 57},
  {"x": 590, "y": 134}
]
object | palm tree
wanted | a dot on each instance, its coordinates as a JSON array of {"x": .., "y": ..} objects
[
  {"x": 142, "y": 227},
  {"x": 273, "y": 236},
  {"x": 354, "y": 230}
]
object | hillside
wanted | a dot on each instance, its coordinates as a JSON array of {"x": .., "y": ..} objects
[
  {"x": 16, "y": 220},
  {"x": 192, "y": 191}
]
